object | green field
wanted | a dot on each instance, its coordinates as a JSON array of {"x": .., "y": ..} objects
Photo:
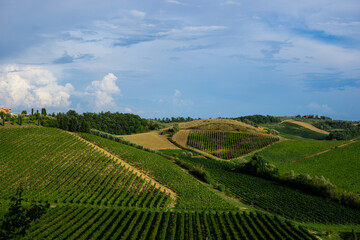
[
  {"x": 277, "y": 198},
  {"x": 228, "y": 145},
  {"x": 292, "y": 150},
  {"x": 341, "y": 166},
  {"x": 294, "y": 131}
]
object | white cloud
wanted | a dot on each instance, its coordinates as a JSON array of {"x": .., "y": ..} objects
[
  {"x": 178, "y": 101},
  {"x": 128, "y": 110},
  {"x": 104, "y": 90},
  {"x": 177, "y": 93},
  {"x": 174, "y": 1},
  {"x": 138, "y": 14},
  {"x": 32, "y": 86},
  {"x": 320, "y": 108},
  {"x": 191, "y": 31}
]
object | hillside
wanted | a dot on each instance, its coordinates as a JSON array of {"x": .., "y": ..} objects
[{"x": 102, "y": 189}]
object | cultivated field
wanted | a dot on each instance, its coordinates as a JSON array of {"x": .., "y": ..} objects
[
  {"x": 228, "y": 145},
  {"x": 341, "y": 165},
  {"x": 103, "y": 189},
  {"x": 152, "y": 140}
]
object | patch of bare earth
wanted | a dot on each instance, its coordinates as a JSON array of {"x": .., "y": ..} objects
[
  {"x": 152, "y": 181},
  {"x": 181, "y": 137},
  {"x": 152, "y": 140},
  {"x": 310, "y": 127}
]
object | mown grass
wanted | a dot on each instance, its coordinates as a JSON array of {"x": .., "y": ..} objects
[
  {"x": 340, "y": 165},
  {"x": 192, "y": 194}
]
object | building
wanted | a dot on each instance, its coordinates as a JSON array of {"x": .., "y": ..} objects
[{"x": 5, "y": 110}]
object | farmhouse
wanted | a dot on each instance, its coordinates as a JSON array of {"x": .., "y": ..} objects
[{"x": 5, "y": 110}]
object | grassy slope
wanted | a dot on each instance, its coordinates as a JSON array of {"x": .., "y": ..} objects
[
  {"x": 192, "y": 194},
  {"x": 276, "y": 197},
  {"x": 294, "y": 131},
  {"x": 291, "y": 150},
  {"x": 341, "y": 166},
  {"x": 56, "y": 166}
]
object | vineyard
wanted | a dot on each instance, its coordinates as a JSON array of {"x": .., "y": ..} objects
[
  {"x": 228, "y": 145},
  {"x": 128, "y": 193},
  {"x": 344, "y": 159},
  {"x": 278, "y": 198},
  {"x": 54, "y": 166},
  {"x": 94, "y": 223}
]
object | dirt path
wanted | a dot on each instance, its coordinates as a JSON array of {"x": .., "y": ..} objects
[
  {"x": 153, "y": 182},
  {"x": 152, "y": 140},
  {"x": 325, "y": 151},
  {"x": 308, "y": 126}
]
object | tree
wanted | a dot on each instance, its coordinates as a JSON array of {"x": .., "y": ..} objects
[
  {"x": 2, "y": 115},
  {"x": 73, "y": 124},
  {"x": 20, "y": 120},
  {"x": 43, "y": 111},
  {"x": 24, "y": 112},
  {"x": 38, "y": 117},
  {"x": 32, "y": 112},
  {"x": 18, "y": 218},
  {"x": 84, "y": 126}
]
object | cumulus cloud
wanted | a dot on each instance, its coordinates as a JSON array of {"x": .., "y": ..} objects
[
  {"x": 104, "y": 90},
  {"x": 32, "y": 86},
  {"x": 128, "y": 110}
]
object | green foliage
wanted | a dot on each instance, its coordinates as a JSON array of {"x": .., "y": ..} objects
[
  {"x": 49, "y": 122},
  {"x": 18, "y": 218},
  {"x": 2, "y": 115},
  {"x": 43, "y": 112},
  {"x": 228, "y": 145},
  {"x": 84, "y": 126},
  {"x": 260, "y": 167},
  {"x": 258, "y": 119}
]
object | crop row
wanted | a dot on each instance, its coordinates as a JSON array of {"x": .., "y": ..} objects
[
  {"x": 55, "y": 166},
  {"x": 93, "y": 223},
  {"x": 192, "y": 194},
  {"x": 228, "y": 145},
  {"x": 276, "y": 197}
]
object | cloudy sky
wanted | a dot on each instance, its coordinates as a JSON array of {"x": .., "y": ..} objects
[{"x": 199, "y": 58}]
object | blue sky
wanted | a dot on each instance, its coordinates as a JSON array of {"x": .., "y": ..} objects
[{"x": 162, "y": 58}]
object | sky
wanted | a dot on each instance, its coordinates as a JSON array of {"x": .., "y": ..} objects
[{"x": 199, "y": 58}]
